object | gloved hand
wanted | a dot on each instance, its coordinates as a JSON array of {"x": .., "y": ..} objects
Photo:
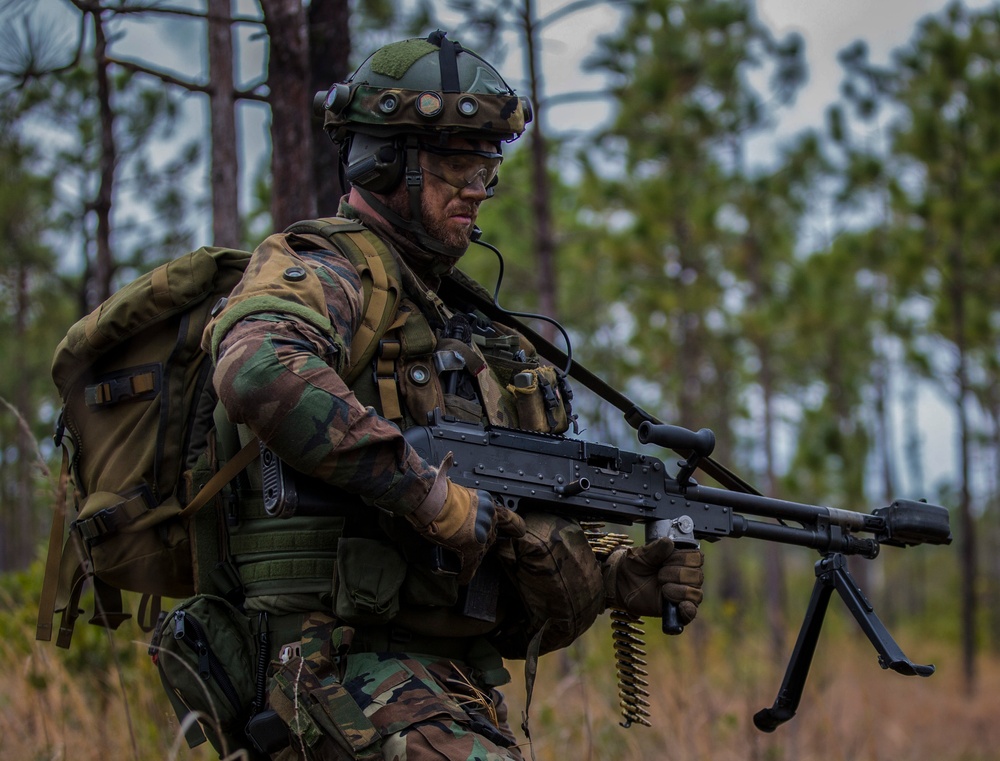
[
  {"x": 465, "y": 521},
  {"x": 636, "y": 579}
]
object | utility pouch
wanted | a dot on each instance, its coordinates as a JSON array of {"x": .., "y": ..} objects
[
  {"x": 467, "y": 410},
  {"x": 308, "y": 695},
  {"x": 370, "y": 574},
  {"x": 542, "y": 398},
  {"x": 204, "y": 652}
]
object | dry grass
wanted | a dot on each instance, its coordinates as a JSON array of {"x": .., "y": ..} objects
[
  {"x": 704, "y": 693},
  {"x": 49, "y": 712},
  {"x": 705, "y": 690}
]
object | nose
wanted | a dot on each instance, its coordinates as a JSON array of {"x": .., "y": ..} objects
[{"x": 475, "y": 189}]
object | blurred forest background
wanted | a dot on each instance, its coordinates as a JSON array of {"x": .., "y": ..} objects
[{"x": 802, "y": 301}]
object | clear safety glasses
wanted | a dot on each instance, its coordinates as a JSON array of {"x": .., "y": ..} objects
[{"x": 460, "y": 168}]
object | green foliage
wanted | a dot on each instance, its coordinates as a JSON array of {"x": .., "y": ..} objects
[{"x": 693, "y": 237}]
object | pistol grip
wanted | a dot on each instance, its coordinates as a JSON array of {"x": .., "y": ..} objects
[{"x": 671, "y": 620}]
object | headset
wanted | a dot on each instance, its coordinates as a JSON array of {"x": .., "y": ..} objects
[{"x": 373, "y": 163}]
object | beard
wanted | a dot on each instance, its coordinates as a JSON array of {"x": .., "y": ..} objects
[{"x": 434, "y": 218}]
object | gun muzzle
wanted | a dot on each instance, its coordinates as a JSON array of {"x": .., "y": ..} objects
[{"x": 909, "y": 523}]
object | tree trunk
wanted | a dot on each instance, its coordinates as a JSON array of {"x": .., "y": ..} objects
[
  {"x": 329, "y": 62},
  {"x": 968, "y": 533},
  {"x": 292, "y": 196},
  {"x": 225, "y": 163},
  {"x": 544, "y": 237},
  {"x": 774, "y": 556},
  {"x": 104, "y": 266}
]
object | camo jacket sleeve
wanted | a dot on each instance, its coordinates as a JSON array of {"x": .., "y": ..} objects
[{"x": 280, "y": 347}]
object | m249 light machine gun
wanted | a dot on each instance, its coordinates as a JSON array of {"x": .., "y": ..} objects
[{"x": 597, "y": 482}]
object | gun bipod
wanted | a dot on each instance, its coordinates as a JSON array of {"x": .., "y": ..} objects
[{"x": 832, "y": 574}]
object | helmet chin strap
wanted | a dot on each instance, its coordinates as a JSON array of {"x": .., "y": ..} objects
[{"x": 413, "y": 177}]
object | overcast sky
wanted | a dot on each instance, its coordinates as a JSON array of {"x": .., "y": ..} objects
[{"x": 827, "y": 26}]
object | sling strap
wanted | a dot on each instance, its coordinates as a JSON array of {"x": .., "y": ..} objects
[{"x": 464, "y": 287}]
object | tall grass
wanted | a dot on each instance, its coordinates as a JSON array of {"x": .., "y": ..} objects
[{"x": 705, "y": 688}]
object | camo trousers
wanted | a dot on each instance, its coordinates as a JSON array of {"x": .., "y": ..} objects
[
  {"x": 430, "y": 710},
  {"x": 341, "y": 704}
]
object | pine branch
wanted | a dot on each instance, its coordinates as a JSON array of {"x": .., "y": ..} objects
[
  {"x": 571, "y": 8},
  {"x": 171, "y": 79}
]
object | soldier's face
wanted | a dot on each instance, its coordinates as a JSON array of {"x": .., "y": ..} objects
[{"x": 449, "y": 213}]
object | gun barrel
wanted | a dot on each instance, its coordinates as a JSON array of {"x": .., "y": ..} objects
[{"x": 769, "y": 507}]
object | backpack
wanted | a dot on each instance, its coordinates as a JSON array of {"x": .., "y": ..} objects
[{"x": 138, "y": 413}]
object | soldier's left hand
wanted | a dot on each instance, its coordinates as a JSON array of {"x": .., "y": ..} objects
[{"x": 637, "y": 579}]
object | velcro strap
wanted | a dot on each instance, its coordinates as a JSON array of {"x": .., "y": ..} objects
[{"x": 160, "y": 284}]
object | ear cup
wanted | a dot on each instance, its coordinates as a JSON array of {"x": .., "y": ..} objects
[{"x": 374, "y": 164}]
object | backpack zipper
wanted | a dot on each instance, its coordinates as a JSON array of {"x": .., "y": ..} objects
[{"x": 189, "y": 630}]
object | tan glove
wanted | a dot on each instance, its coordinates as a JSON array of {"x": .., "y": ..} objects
[
  {"x": 465, "y": 521},
  {"x": 636, "y": 579}
]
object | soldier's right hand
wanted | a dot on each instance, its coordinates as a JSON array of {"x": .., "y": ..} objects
[{"x": 465, "y": 521}]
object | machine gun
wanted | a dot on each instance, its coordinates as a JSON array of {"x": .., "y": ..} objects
[{"x": 597, "y": 482}]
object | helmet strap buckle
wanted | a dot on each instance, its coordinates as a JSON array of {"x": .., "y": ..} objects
[{"x": 414, "y": 175}]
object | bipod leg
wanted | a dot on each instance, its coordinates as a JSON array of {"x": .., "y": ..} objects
[
  {"x": 890, "y": 656},
  {"x": 790, "y": 692}
]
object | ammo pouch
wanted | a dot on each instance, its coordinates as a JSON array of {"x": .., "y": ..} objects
[
  {"x": 542, "y": 398},
  {"x": 559, "y": 586},
  {"x": 204, "y": 652}
]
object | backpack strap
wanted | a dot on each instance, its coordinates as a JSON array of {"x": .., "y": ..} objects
[
  {"x": 225, "y": 474},
  {"x": 380, "y": 278},
  {"x": 53, "y": 560}
]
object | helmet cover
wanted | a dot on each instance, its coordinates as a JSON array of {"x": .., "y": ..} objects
[{"x": 426, "y": 86}]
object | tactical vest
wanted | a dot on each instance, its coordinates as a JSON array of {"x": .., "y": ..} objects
[{"x": 334, "y": 553}]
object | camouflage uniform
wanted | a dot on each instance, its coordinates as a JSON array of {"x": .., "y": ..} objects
[{"x": 373, "y": 654}]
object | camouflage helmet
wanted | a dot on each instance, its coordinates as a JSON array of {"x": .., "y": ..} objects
[{"x": 424, "y": 86}]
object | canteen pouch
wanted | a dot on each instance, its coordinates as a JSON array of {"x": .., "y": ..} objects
[
  {"x": 369, "y": 576},
  {"x": 204, "y": 652}
]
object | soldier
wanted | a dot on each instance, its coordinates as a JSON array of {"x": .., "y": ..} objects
[{"x": 377, "y": 650}]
